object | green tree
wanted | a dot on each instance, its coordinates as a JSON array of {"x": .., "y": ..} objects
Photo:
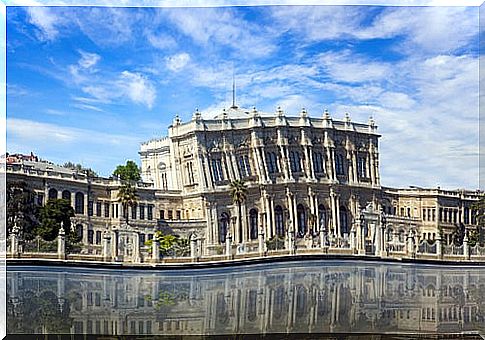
[
  {"x": 478, "y": 210},
  {"x": 21, "y": 209},
  {"x": 51, "y": 215},
  {"x": 128, "y": 173},
  {"x": 128, "y": 198},
  {"x": 170, "y": 244},
  {"x": 239, "y": 193}
]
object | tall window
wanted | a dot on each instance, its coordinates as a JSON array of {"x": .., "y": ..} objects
[
  {"x": 190, "y": 172},
  {"x": 322, "y": 217},
  {"x": 106, "y": 210},
  {"x": 295, "y": 161},
  {"x": 217, "y": 170},
  {"x": 280, "y": 228},
  {"x": 133, "y": 212},
  {"x": 52, "y": 194},
  {"x": 223, "y": 226},
  {"x": 142, "y": 211},
  {"x": 90, "y": 208},
  {"x": 339, "y": 164},
  {"x": 272, "y": 162},
  {"x": 244, "y": 166},
  {"x": 98, "y": 208},
  {"x": 253, "y": 224},
  {"x": 301, "y": 219},
  {"x": 150, "y": 212},
  {"x": 362, "y": 166},
  {"x": 344, "y": 222},
  {"x": 79, "y": 203},
  {"x": 318, "y": 162},
  {"x": 66, "y": 195}
]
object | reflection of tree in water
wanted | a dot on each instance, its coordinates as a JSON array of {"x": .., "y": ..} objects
[
  {"x": 169, "y": 297},
  {"x": 39, "y": 313}
]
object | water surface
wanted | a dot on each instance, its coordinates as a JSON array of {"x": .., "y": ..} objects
[{"x": 318, "y": 296}]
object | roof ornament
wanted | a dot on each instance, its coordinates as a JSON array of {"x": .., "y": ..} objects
[
  {"x": 303, "y": 113},
  {"x": 177, "y": 120},
  {"x": 197, "y": 115},
  {"x": 279, "y": 111},
  {"x": 326, "y": 115}
]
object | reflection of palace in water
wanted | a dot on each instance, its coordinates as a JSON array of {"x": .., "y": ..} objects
[{"x": 334, "y": 297}]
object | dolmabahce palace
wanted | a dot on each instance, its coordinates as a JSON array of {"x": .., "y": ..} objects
[{"x": 311, "y": 181}]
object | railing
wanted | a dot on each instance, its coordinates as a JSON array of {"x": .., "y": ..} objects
[
  {"x": 453, "y": 249},
  {"x": 477, "y": 250},
  {"x": 38, "y": 245},
  {"x": 426, "y": 248}
]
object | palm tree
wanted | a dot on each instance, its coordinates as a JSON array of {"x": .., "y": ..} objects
[
  {"x": 128, "y": 197},
  {"x": 238, "y": 195}
]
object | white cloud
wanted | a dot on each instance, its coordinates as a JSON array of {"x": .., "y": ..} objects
[
  {"x": 177, "y": 62},
  {"x": 46, "y": 21},
  {"x": 348, "y": 67},
  {"x": 88, "y": 60},
  {"x": 160, "y": 40},
  {"x": 138, "y": 88},
  {"x": 214, "y": 27}
]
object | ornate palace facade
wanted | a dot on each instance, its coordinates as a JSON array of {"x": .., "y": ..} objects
[{"x": 309, "y": 180}]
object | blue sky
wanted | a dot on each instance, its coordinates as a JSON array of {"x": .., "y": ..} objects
[{"x": 88, "y": 84}]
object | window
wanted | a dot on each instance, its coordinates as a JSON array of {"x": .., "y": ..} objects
[
  {"x": 272, "y": 162},
  {"x": 295, "y": 161},
  {"x": 253, "y": 224},
  {"x": 40, "y": 199},
  {"x": 98, "y": 237},
  {"x": 150, "y": 212},
  {"x": 361, "y": 166},
  {"x": 142, "y": 240},
  {"x": 170, "y": 215},
  {"x": 344, "y": 222},
  {"x": 190, "y": 172},
  {"x": 322, "y": 217},
  {"x": 217, "y": 173},
  {"x": 66, "y": 195},
  {"x": 223, "y": 224},
  {"x": 79, "y": 203},
  {"x": 106, "y": 210},
  {"x": 466, "y": 216},
  {"x": 179, "y": 215},
  {"x": 98, "y": 209},
  {"x": 79, "y": 231},
  {"x": 142, "y": 212},
  {"x": 244, "y": 166},
  {"x": 90, "y": 208},
  {"x": 301, "y": 219},
  {"x": 133, "y": 212},
  {"x": 90, "y": 236},
  {"x": 52, "y": 194},
  {"x": 318, "y": 162},
  {"x": 162, "y": 214},
  {"x": 280, "y": 228},
  {"x": 339, "y": 164}
]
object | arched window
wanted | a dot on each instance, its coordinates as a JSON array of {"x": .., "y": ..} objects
[
  {"x": 79, "y": 203},
  {"x": 253, "y": 224},
  {"x": 322, "y": 217},
  {"x": 339, "y": 164},
  {"x": 223, "y": 227},
  {"x": 295, "y": 161},
  {"x": 301, "y": 217},
  {"x": 318, "y": 162},
  {"x": 344, "y": 221},
  {"x": 66, "y": 195},
  {"x": 280, "y": 228},
  {"x": 79, "y": 231},
  {"x": 52, "y": 194}
]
